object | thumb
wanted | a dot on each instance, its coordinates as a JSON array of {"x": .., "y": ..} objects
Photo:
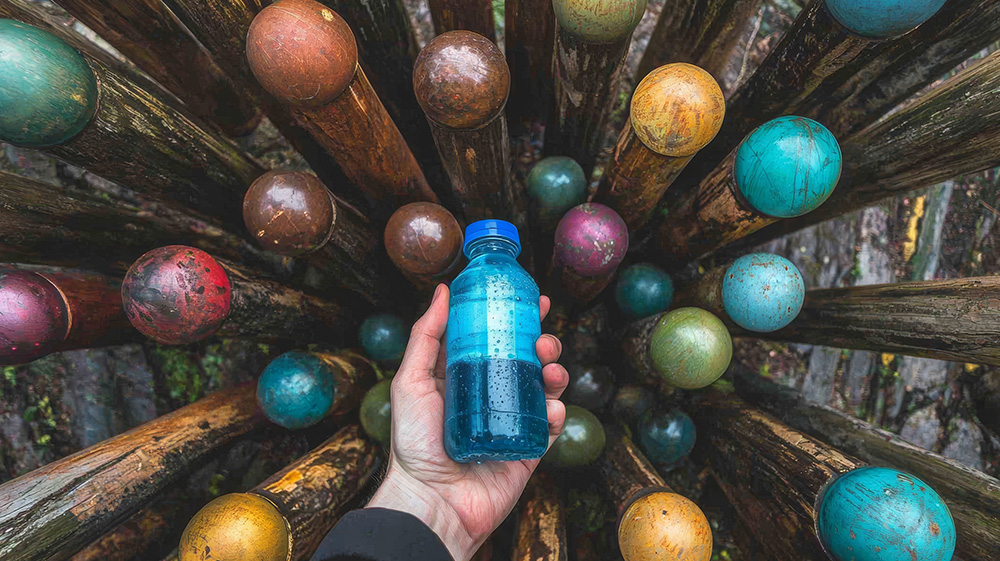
[{"x": 422, "y": 350}]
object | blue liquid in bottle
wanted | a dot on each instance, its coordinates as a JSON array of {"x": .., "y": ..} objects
[{"x": 494, "y": 394}]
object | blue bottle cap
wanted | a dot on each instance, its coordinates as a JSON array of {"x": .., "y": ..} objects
[{"x": 491, "y": 227}]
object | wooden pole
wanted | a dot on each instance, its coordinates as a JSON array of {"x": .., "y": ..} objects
[
  {"x": 469, "y": 15},
  {"x": 461, "y": 81},
  {"x": 591, "y": 241},
  {"x": 147, "y": 33},
  {"x": 592, "y": 39},
  {"x": 313, "y": 67},
  {"x": 973, "y": 497},
  {"x": 541, "y": 523},
  {"x": 178, "y": 294},
  {"x": 425, "y": 243},
  {"x": 529, "y": 36}
]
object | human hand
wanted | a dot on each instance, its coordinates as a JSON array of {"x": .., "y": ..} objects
[{"x": 462, "y": 503}]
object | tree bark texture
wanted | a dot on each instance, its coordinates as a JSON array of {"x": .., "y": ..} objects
[
  {"x": 478, "y": 165},
  {"x": 529, "y": 36},
  {"x": 94, "y": 303},
  {"x": 472, "y": 15},
  {"x": 541, "y": 524},
  {"x": 635, "y": 342},
  {"x": 626, "y": 474}
]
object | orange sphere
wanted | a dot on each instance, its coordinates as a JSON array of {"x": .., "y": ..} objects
[
  {"x": 664, "y": 525},
  {"x": 302, "y": 52},
  {"x": 677, "y": 109},
  {"x": 237, "y": 527}
]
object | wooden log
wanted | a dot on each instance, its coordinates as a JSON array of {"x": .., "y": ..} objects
[
  {"x": 972, "y": 496},
  {"x": 953, "y": 319},
  {"x": 469, "y": 15},
  {"x": 700, "y": 32},
  {"x": 178, "y": 294},
  {"x": 626, "y": 473},
  {"x": 314, "y": 69},
  {"x": 45, "y": 310},
  {"x": 592, "y": 39},
  {"x": 95, "y": 117},
  {"x": 591, "y": 241},
  {"x": 529, "y": 36},
  {"x": 541, "y": 523},
  {"x": 461, "y": 81},
  {"x": 651, "y": 153},
  {"x": 425, "y": 242},
  {"x": 55, "y": 510},
  {"x": 147, "y": 33}
]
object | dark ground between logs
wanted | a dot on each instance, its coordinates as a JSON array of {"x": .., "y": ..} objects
[{"x": 65, "y": 402}]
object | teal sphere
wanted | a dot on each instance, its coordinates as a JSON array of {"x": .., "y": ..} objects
[
  {"x": 48, "y": 93},
  {"x": 762, "y": 292},
  {"x": 880, "y": 514},
  {"x": 296, "y": 390},
  {"x": 882, "y": 18},
  {"x": 643, "y": 290},
  {"x": 555, "y": 185},
  {"x": 666, "y": 437},
  {"x": 383, "y": 336},
  {"x": 788, "y": 166}
]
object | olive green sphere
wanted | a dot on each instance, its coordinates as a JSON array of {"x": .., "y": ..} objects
[
  {"x": 581, "y": 441},
  {"x": 690, "y": 348},
  {"x": 599, "y": 21},
  {"x": 376, "y": 413}
]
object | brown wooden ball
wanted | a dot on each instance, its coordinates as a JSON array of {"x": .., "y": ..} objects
[
  {"x": 423, "y": 239},
  {"x": 677, "y": 109},
  {"x": 302, "y": 52},
  {"x": 288, "y": 212},
  {"x": 664, "y": 525},
  {"x": 237, "y": 527},
  {"x": 461, "y": 80}
]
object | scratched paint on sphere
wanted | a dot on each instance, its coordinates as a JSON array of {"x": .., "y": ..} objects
[
  {"x": 556, "y": 184},
  {"x": 376, "y": 412},
  {"x": 880, "y": 514},
  {"x": 591, "y": 239},
  {"x": 666, "y": 436},
  {"x": 762, "y": 292},
  {"x": 662, "y": 526},
  {"x": 424, "y": 239},
  {"x": 599, "y": 21},
  {"x": 296, "y": 390},
  {"x": 882, "y": 18},
  {"x": 289, "y": 213},
  {"x": 48, "y": 93},
  {"x": 581, "y": 442},
  {"x": 34, "y": 318},
  {"x": 383, "y": 336},
  {"x": 788, "y": 166},
  {"x": 236, "y": 527},
  {"x": 644, "y": 290},
  {"x": 690, "y": 348},
  {"x": 677, "y": 109},
  {"x": 176, "y": 294}
]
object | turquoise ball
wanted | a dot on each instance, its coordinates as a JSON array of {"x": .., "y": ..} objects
[
  {"x": 555, "y": 185},
  {"x": 48, "y": 93},
  {"x": 296, "y": 390},
  {"x": 788, "y": 166},
  {"x": 880, "y": 514},
  {"x": 762, "y": 292},
  {"x": 882, "y": 18},
  {"x": 666, "y": 437},
  {"x": 643, "y": 290},
  {"x": 383, "y": 336}
]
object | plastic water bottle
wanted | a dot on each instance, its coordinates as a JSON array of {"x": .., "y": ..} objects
[{"x": 494, "y": 394}]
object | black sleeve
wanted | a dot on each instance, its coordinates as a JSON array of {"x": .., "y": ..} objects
[{"x": 381, "y": 534}]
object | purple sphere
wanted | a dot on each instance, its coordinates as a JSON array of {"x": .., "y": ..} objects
[
  {"x": 591, "y": 239},
  {"x": 34, "y": 318}
]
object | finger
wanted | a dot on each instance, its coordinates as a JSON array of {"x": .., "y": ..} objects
[
  {"x": 556, "y": 412},
  {"x": 556, "y": 379},
  {"x": 548, "y": 347},
  {"x": 422, "y": 350},
  {"x": 544, "y": 305}
]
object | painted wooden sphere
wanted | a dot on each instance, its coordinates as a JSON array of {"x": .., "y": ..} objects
[
  {"x": 383, "y": 336},
  {"x": 591, "y": 386},
  {"x": 762, "y": 292},
  {"x": 423, "y": 239},
  {"x": 643, "y": 290},
  {"x": 591, "y": 239},
  {"x": 289, "y": 212},
  {"x": 882, "y": 18},
  {"x": 296, "y": 390},
  {"x": 376, "y": 412},
  {"x": 666, "y": 436},
  {"x": 556, "y": 184},
  {"x": 176, "y": 294},
  {"x": 788, "y": 166},
  {"x": 599, "y": 21},
  {"x": 581, "y": 441},
  {"x": 48, "y": 92},
  {"x": 690, "y": 348},
  {"x": 631, "y": 402},
  {"x": 302, "y": 52},
  {"x": 880, "y": 514},
  {"x": 34, "y": 318},
  {"x": 664, "y": 525},
  {"x": 236, "y": 527},
  {"x": 677, "y": 109},
  {"x": 461, "y": 80}
]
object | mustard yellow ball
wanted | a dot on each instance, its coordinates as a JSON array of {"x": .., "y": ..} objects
[
  {"x": 237, "y": 527},
  {"x": 677, "y": 109}
]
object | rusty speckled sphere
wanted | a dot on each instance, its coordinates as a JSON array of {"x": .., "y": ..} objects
[
  {"x": 288, "y": 212},
  {"x": 34, "y": 318},
  {"x": 461, "y": 80},
  {"x": 599, "y": 21},
  {"x": 302, "y": 52},
  {"x": 237, "y": 527},
  {"x": 591, "y": 239},
  {"x": 176, "y": 294},
  {"x": 423, "y": 239},
  {"x": 677, "y": 109},
  {"x": 664, "y": 525}
]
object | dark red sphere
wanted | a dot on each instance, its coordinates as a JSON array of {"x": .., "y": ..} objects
[
  {"x": 176, "y": 294},
  {"x": 288, "y": 212},
  {"x": 34, "y": 318}
]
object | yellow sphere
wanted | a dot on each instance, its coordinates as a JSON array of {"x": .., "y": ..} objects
[
  {"x": 237, "y": 527},
  {"x": 664, "y": 525},
  {"x": 677, "y": 109}
]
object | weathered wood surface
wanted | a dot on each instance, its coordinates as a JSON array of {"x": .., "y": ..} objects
[
  {"x": 972, "y": 496},
  {"x": 478, "y": 164},
  {"x": 55, "y": 510},
  {"x": 541, "y": 523},
  {"x": 635, "y": 343},
  {"x": 471, "y": 15},
  {"x": 626, "y": 473},
  {"x": 94, "y": 303},
  {"x": 954, "y": 319},
  {"x": 529, "y": 36}
]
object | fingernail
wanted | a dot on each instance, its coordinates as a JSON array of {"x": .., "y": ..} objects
[{"x": 437, "y": 294}]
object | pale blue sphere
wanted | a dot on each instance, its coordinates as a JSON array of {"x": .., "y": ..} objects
[{"x": 762, "y": 292}]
